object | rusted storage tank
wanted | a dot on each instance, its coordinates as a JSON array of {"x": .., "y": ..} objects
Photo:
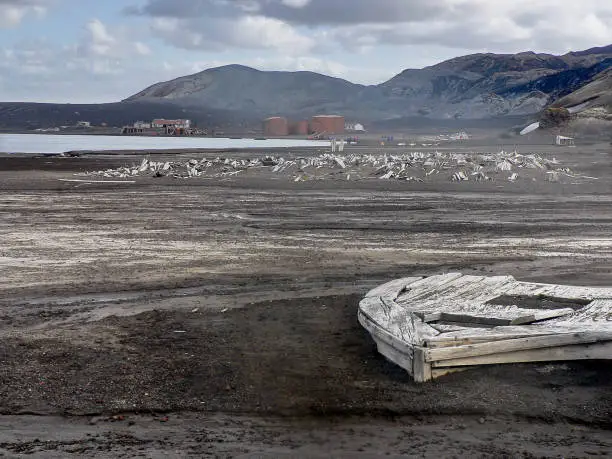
[
  {"x": 276, "y": 127},
  {"x": 298, "y": 128},
  {"x": 329, "y": 124}
]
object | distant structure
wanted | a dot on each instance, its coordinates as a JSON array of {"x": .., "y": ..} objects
[
  {"x": 84, "y": 124},
  {"x": 564, "y": 141},
  {"x": 320, "y": 126},
  {"x": 328, "y": 124},
  {"x": 298, "y": 128},
  {"x": 354, "y": 127},
  {"x": 276, "y": 126},
  {"x": 142, "y": 125},
  {"x": 459, "y": 136},
  {"x": 163, "y": 126},
  {"x": 177, "y": 124}
]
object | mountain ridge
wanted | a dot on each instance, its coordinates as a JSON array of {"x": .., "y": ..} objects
[{"x": 475, "y": 86}]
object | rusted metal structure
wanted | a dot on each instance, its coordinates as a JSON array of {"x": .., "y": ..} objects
[
  {"x": 276, "y": 126},
  {"x": 328, "y": 124},
  {"x": 299, "y": 128}
]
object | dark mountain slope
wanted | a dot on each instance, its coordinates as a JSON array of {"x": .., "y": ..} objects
[{"x": 24, "y": 115}]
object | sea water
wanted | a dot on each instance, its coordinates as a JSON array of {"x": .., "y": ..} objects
[{"x": 48, "y": 143}]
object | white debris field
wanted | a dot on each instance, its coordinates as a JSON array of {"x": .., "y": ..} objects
[{"x": 413, "y": 166}]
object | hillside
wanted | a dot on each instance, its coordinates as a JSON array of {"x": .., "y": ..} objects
[
  {"x": 244, "y": 89},
  {"x": 592, "y": 107},
  {"x": 596, "y": 93},
  {"x": 474, "y": 87},
  {"x": 25, "y": 115}
]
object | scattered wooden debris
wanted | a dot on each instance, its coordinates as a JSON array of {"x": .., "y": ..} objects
[
  {"x": 96, "y": 181},
  {"x": 432, "y": 326},
  {"x": 412, "y": 166}
]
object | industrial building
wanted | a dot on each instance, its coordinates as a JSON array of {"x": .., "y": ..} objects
[
  {"x": 276, "y": 126},
  {"x": 163, "y": 126},
  {"x": 299, "y": 128},
  {"x": 142, "y": 125},
  {"x": 177, "y": 124},
  {"x": 327, "y": 124},
  {"x": 320, "y": 125}
]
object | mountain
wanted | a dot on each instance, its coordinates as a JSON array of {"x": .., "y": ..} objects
[
  {"x": 591, "y": 106},
  {"x": 236, "y": 87},
  {"x": 597, "y": 93},
  {"x": 491, "y": 85},
  {"x": 470, "y": 87},
  {"x": 478, "y": 87}
]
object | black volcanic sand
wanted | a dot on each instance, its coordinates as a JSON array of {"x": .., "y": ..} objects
[{"x": 217, "y": 318}]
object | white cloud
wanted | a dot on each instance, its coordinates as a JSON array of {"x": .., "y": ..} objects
[
  {"x": 295, "y": 3},
  {"x": 107, "y": 64},
  {"x": 142, "y": 49},
  {"x": 549, "y": 25},
  {"x": 13, "y": 12},
  {"x": 249, "y": 32},
  {"x": 118, "y": 42}
]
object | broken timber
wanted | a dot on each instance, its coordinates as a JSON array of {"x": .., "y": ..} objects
[{"x": 432, "y": 326}]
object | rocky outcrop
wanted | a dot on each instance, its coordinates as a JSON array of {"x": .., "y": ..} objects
[
  {"x": 590, "y": 106},
  {"x": 596, "y": 93}
]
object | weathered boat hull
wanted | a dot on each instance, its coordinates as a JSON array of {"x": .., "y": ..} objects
[{"x": 432, "y": 326}]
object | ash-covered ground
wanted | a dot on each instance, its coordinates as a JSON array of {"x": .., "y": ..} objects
[{"x": 215, "y": 316}]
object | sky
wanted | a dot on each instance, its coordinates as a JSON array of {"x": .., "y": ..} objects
[{"x": 93, "y": 51}]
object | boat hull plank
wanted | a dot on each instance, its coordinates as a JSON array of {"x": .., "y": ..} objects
[{"x": 434, "y": 325}]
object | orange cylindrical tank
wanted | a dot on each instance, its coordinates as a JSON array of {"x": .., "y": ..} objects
[
  {"x": 298, "y": 128},
  {"x": 329, "y": 124},
  {"x": 276, "y": 127}
]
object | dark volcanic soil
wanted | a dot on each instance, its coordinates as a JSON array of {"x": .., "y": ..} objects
[{"x": 205, "y": 318}]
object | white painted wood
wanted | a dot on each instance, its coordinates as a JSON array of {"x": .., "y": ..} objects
[
  {"x": 439, "y": 372},
  {"x": 418, "y": 323},
  {"x": 398, "y": 321},
  {"x": 392, "y": 289},
  {"x": 518, "y": 344},
  {"x": 425, "y": 286},
  {"x": 538, "y": 316},
  {"x": 447, "y": 328},
  {"x": 421, "y": 368},
  {"x": 451, "y": 339},
  {"x": 393, "y": 349},
  {"x": 595, "y": 351}
]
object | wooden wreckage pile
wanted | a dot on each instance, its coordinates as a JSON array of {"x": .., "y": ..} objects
[
  {"x": 432, "y": 326},
  {"x": 413, "y": 166}
]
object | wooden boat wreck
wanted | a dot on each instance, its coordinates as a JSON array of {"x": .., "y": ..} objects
[{"x": 432, "y": 326}]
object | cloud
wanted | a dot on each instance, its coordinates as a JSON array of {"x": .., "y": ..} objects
[
  {"x": 13, "y": 12},
  {"x": 550, "y": 25},
  {"x": 295, "y": 3},
  {"x": 247, "y": 32},
  {"x": 118, "y": 43},
  {"x": 106, "y": 64},
  {"x": 539, "y": 25}
]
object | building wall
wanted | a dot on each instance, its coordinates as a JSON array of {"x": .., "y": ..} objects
[
  {"x": 328, "y": 124},
  {"x": 160, "y": 123},
  {"x": 276, "y": 127}
]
